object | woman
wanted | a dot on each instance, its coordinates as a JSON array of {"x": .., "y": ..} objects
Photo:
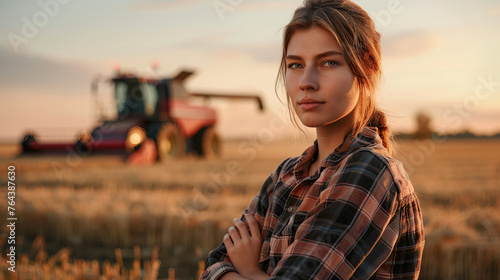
[{"x": 344, "y": 209}]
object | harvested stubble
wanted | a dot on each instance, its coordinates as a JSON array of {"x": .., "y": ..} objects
[
  {"x": 61, "y": 267},
  {"x": 449, "y": 255},
  {"x": 94, "y": 222},
  {"x": 462, "y": 236}
]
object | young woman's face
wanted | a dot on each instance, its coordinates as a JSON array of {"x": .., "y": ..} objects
[{"x": 318, "y": 79}]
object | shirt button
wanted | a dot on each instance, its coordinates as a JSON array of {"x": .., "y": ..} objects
[{"x": 289, "y": 209}]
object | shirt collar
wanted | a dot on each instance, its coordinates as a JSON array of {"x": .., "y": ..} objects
[{"x": 368, "y": 136}]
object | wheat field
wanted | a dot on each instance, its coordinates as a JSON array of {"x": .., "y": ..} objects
[{"x": 88, "y": 217}]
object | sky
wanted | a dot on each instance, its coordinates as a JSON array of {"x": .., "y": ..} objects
[{"x": 439, "y": 57}]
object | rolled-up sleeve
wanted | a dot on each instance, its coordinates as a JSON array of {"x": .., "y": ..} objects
[{"x": 218, "y": 268}]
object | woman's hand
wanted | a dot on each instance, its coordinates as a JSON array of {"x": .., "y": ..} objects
[{"x": 243, "y": 243}]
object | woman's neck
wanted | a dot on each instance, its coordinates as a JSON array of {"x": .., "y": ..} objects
[{"x": 331, "y": 136}]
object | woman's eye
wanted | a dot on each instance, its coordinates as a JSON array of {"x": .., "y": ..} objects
[
  {"x": 294, "y": 65},
  {"x": 331, "y": 63}
]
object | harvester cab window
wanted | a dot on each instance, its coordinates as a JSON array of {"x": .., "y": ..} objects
[
  {"x": 135, "y": 99},
  {"x": 150, "y": 98},
  {"x": 128, "y": 99},
  {"x": 120, "y": 97}
]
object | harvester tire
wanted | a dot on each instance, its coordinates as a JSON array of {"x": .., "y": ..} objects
[
  {"x": 170, "y": 142},
  {"x": 207, "y": 143},
  {"x": 27, "y": 140},
  {"x": 82, "y": 149}
]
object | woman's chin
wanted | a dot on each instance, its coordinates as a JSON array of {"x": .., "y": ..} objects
[{"x": 310, "y": 123}]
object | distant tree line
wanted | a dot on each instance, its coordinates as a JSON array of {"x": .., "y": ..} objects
[{"x": 424, "y": 130}]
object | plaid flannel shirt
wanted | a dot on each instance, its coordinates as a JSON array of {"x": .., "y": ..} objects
[{"x": 357, "y": 217}]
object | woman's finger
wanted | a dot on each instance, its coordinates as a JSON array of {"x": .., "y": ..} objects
[
  {"x": 234, "y": 234},
  {"x": 253, "y": 225},
  {"x": 228, "y": 242},
  {"x": 242, "y": 228}
]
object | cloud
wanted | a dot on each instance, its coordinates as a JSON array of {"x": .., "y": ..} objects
[
  {"x": 409, "y": 44},
  {"x": 204, "y": 41},
  {"x": 267, "y": 51},
  {"x": 222, "y": 45},
  {"x": 28, "y": 72}
]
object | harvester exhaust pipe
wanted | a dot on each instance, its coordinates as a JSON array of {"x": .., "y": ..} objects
[{"x": 94, "y": 89}]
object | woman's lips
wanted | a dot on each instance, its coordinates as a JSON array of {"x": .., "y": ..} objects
[{"x": 308, "y": 104}]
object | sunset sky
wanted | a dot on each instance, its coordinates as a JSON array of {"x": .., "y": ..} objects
[{"x": 440, "y": 57}]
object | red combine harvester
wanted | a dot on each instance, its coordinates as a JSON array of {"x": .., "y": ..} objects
[{"x": 149, "y": 109}]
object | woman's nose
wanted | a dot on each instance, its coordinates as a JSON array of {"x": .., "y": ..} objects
[{"x": 309, "y": 79}]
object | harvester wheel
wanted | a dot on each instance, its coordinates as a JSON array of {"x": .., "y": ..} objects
[
  {"x": 82, "y": 148},
  {"x": 170, "y": 142},
  {"x": 27, "y": 140},
  {"x": 207, "y": 143}
]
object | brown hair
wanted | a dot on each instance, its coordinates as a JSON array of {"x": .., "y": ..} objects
[{"x": 355, "y": 32}]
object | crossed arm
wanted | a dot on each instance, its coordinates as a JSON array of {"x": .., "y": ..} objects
[{"x": 243, "y": 242}]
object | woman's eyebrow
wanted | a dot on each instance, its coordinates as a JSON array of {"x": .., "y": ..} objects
[
  {"x": 321, "y": 55},
  {"x": 328, "y": 53}
]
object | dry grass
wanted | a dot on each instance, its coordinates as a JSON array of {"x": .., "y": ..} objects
[
  {"x": 59, "y": 266},
  {"x": 459, "y": 189},
  {"x": 97, "y": 204}
]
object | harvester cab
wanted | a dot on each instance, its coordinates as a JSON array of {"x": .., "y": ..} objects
[
  {"x": 137, "y": 98},
  {"x": 158, "y": 109},
  {"x": 145, "y": 97}
]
